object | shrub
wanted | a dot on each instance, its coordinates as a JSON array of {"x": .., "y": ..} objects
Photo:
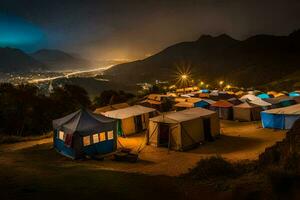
[
  {"x": 216, "y": 167},
  {"x": 213, "y": 167}
]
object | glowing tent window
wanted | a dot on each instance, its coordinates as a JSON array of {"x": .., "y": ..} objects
[
  {"x": 61, "y": 135},
  {"x": 95, "y": 138},
  {"x": 110, "y": 135},
  {"x": 102, "y": 136},
  {"x": 86, "y": 140}
]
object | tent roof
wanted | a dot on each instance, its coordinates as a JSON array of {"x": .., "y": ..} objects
[
  {"x": 289, "y": 110},
  {"x": 111, "y": 107},
  {"x": 278, "y": 99},
  {"x": 209, "y": 101},
  {"x": 151, "y": 102},
  {"x": 245, "y": 105},
  {"x": 250, "y": 97},
  {"x": 156, "y": 97},
  {"x": 180, "y": 99},
  {"x": 180, "y": 116},
  {"x": 234, "y": 101},
  {"x": 260, "y": 102},
  {"x": 222, "y": 104},
  {"x": 81, "y": 121},
  {"x": 193, "y": 100},
  {"x": 185, "y": 104},
  {"x": 128, "y": 112}
]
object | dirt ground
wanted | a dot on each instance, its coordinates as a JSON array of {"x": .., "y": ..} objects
[
  {"x": 238, "y": 141},
  {"x": 34, "y": 170}
]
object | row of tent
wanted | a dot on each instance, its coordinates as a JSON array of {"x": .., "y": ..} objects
[
  {"x": 86, "y": 133},
  {"x": 248, "y": 107}
]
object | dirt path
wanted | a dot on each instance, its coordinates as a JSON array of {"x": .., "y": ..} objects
[{"x": 23, "y": 145}]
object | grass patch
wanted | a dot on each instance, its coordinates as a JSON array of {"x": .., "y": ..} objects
[{"x": 8, "y": 139}]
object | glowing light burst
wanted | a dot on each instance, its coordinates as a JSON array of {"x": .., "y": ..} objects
[{"x": 183, "y": 75}]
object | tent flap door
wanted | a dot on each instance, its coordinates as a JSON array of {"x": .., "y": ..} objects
[{"x": 207, "y": 129}]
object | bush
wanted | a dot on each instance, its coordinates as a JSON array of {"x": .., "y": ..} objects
[
  {"x": 217, "y": 167},
  {"x": 213, "y": 167}
]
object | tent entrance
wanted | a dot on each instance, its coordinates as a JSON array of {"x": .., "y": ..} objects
[
  {"x": 207, "y": 130},
  {"x": 164, "y": 130},
  {"x": 138, "y": 123}
]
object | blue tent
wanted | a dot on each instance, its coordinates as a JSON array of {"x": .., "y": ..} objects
[
  {"x": 204, "y": 91},
  {"x": 201, "y": 104},
  {"x": 84, "y": 133},
  {"x": 263, "y": 96},
  {"x": 294, "y": 94},
  {"x": 280, "y": 118}
]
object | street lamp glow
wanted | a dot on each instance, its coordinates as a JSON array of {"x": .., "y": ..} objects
[
  {"x": 184, "y": 76},
  {"x": 228, "y": 86},
  {"x": 201, "y": 83},
  {"x": 221, "y": 82}
]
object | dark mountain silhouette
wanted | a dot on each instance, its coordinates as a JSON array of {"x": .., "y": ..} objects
[
  {"x": 15, "y": 60},
  {"x": 59, "y": 60},
  {"x": 255, "y": 61}
]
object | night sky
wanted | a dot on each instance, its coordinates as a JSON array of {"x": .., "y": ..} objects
[{"x": 121, "y": 29}]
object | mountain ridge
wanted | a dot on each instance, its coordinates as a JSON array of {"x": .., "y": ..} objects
[
  {"x": 58, "y": 59},
  {"x": 254, "y": 61},
  {"x": 15, "y": 60}
]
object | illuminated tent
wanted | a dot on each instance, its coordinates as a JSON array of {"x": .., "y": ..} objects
[
  {"x": 280, "y": 118},
  {"x": 263, "y": 96},
  {"x": 249, "y": 97},
  {"x": 194, "y": 103},
  {"x": 133, "y": 119},
  {"x": 272, "y": 93},
  {"x": 294, "y": 94},
  {"x": 280, "y": 94},
  {"x": 223, "y": 108},
  {"x": 183, "y": 130},
  {"x": 84, "y": 133},
  {"x": 247, "y": 112},
  {"x": 259, "y": 102},
  {"x": 204, "y": 91},
  {"x": 239, "y": 93},
  {"x": 281, "y": 101}
]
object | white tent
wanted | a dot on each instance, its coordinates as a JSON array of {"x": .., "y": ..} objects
[
  {"x": 184, "y": 129},
  {"x": 132, "y": 119},
  {"x": 249, "y": 97},
  {"x": 260, "y": 102},
  {"x": 128, "y": 112}
]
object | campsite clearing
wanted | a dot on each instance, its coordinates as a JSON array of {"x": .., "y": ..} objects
[
  {"x": 34, "y": 170},
  {"x": 239, "y": 141}
]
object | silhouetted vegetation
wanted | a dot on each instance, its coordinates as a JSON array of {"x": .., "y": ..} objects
[
  {"x": 109, "y": 97},
  {"x": 25, "y": 111}
]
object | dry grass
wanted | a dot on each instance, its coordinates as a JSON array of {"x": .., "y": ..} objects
[{"x": 9, "y": 139}]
